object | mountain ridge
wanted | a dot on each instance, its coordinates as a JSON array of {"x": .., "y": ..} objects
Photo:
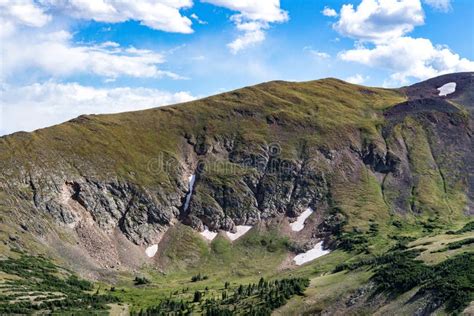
[
  {"x": 110, "y": 196},
  {"x": 239, "y": 111}
]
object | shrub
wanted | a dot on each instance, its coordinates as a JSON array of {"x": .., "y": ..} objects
[
  {"x": 199, "y": 277},
  {"x": 141, "y": 280},
  {"x": 197, "y": 296}
]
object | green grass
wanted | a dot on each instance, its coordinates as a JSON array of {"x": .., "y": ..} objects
[
  {"x": 469, "y": 227},
  {"x": 457, "y": 244},
  {"x": 250, "y": 299},
  {"x": 256, "y": 254},
  {"x": 260, "y": 253},
  {"x": 361, "y": 200},
  {"x": 32, "y": 284},
  {"x": 431, "y": 247},
  {"x": 431, "y": 194},
  {"x": 449, "y": 283},
  {"x": 324, "y": 291}
]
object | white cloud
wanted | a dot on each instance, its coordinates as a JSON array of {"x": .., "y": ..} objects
[
  {"x": 441, "y": 5},
  {"x": 321, "y": 55},
  {"x": 20, "y": 13},
  {"x": 53, "y": 54},
  {"x": 380, "y": 27},
  {"x": 317, "y": 53},
  {"x": 161, "y": 15},
  {"x": 253, "y": 19},
  {"x": 44, "y": 104},
  {"x": 194, "y": 16},
  {"x": 379, "y": 20},
  {"x": 357, "y": 79},
  {"x": 268, "y": 10},
  {"x": 30, "y": 44},
  {"x": 253, "y": 33},
  {"x": 408, "y": 58},
  {"x": 327, "y": 11},
  {"x": 24, "y": 12}
]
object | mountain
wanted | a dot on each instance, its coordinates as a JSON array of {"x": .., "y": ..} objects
[{"x": 95, "y": 192}]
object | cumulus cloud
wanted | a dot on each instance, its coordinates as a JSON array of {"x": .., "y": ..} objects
[
  {"x": 357, "y": 79},
  {"x": 380, "y": 28},
  {"x": 327, "y": 11},
  {"x": 161, "y": 15},
  {"x": 268, "y": 10},
  {"x": 252, "y": 19},
  {"x": 53, "y": 54},
  {"x": 441, "y": 5},
  {"x": 44, "y": 104},
  {"x": 252, "y": 33},
  {"x": 408, "y": 58},
  {"x": 23, "y": 13},
  {"x": 30, "y": 43},
  {"x": 379, "y": 20}
]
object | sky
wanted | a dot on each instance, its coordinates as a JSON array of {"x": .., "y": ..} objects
[{"x": 64, "y": 58}]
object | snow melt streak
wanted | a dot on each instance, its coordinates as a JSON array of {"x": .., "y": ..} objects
[
  {"x": 446, "y": 89},
  {"x": 299, "y": 223},
  {"x": 151, "y": 251},
  {"x": 191, "y": 178},
  {"x": 311, "y": 254},
  {"x": 241, "y": 230}
]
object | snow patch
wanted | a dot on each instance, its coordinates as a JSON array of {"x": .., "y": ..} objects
[
  {"x": 446, "y": 89},
  {"x": 298, "y": 225},
  {"x": 311, "y": 254},
  {"x": 241, "y": 230},
  {"x": 208, "y": 234},
  {"x": 191, "y": 180},
  {"x": 151, "y": 251}
]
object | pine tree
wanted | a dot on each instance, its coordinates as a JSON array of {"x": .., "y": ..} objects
[{"x": 197, "y": 297}]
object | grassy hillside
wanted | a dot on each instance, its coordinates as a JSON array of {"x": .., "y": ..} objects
[
  {"x": 123, "y": 142},
  {"x": 387, "y": 172}
]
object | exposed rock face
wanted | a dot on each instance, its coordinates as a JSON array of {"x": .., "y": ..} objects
[
  {"x": 273, "y": 187},
  {"x": 379, "y": 160},
  {"x": 113, "y": 204},
  {"x": 257, "y": 153},
  {"x": 70, "y": 199}
]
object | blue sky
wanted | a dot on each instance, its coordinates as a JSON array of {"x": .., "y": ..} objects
[{"x": 61, "y": 59}]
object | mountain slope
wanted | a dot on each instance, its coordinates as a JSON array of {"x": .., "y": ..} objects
[
  {"x": 124, "y": 147},
  {"x": 95, "y": 191}
]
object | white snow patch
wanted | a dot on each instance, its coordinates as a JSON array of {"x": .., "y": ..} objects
[
  {"x": 446, "y": 89},
  {"x": 298, "y": 225},
  {"x": 151, "y": 251},
  {"x": 191, "y": 179},
  {"x": 241, "y": 230},
  {"x": 311, "y": 254},
  {"x": 208, "y": 234}
]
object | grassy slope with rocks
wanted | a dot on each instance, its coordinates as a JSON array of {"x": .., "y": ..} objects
[{"x": 379, "y": 169}]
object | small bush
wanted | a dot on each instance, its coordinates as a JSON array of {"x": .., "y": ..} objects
[
  {"x": 141, "y": 280},
  {"x": 199, "y": 277}
]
